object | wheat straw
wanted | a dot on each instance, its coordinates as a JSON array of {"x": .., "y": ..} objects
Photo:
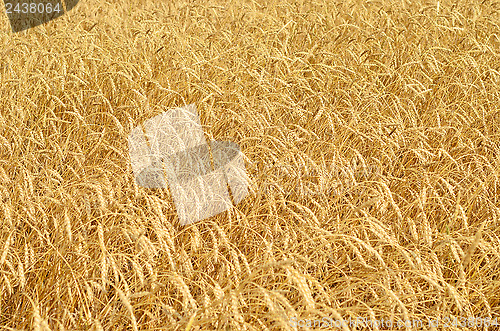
[{"x": 369, "y": 132}]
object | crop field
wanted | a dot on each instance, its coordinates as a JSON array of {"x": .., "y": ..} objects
[{"x": 370, "y": 131}]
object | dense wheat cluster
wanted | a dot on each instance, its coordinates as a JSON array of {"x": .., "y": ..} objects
[{"x": 370, "y": 131}]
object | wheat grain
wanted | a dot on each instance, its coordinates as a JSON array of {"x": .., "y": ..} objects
[
  {"x": 37, "y": 319},
  {"x": 303, "y": 287},
  {"x": 7, "y": 284},
  {"x": 187, "y": 296},
  {"x": 97, "y": 325},
  {"x": 5, "y": 250},
  {"x": 130, "y": 310},
  {"x": 473, "y": 246},
  {"x": 138, "y": 272},
  {"x": 21, "y": 275}
]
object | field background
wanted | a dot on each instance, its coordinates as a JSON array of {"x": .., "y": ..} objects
[{"x": 410, "y": 90}]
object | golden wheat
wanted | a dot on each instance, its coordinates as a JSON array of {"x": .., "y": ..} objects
[{"x": 370, "y": 135}]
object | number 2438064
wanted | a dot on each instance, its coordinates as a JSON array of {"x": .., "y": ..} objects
[{"x": 32, "y": 8}]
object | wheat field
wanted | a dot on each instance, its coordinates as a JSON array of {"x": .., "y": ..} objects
[{"x": 369, "y": 132}]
